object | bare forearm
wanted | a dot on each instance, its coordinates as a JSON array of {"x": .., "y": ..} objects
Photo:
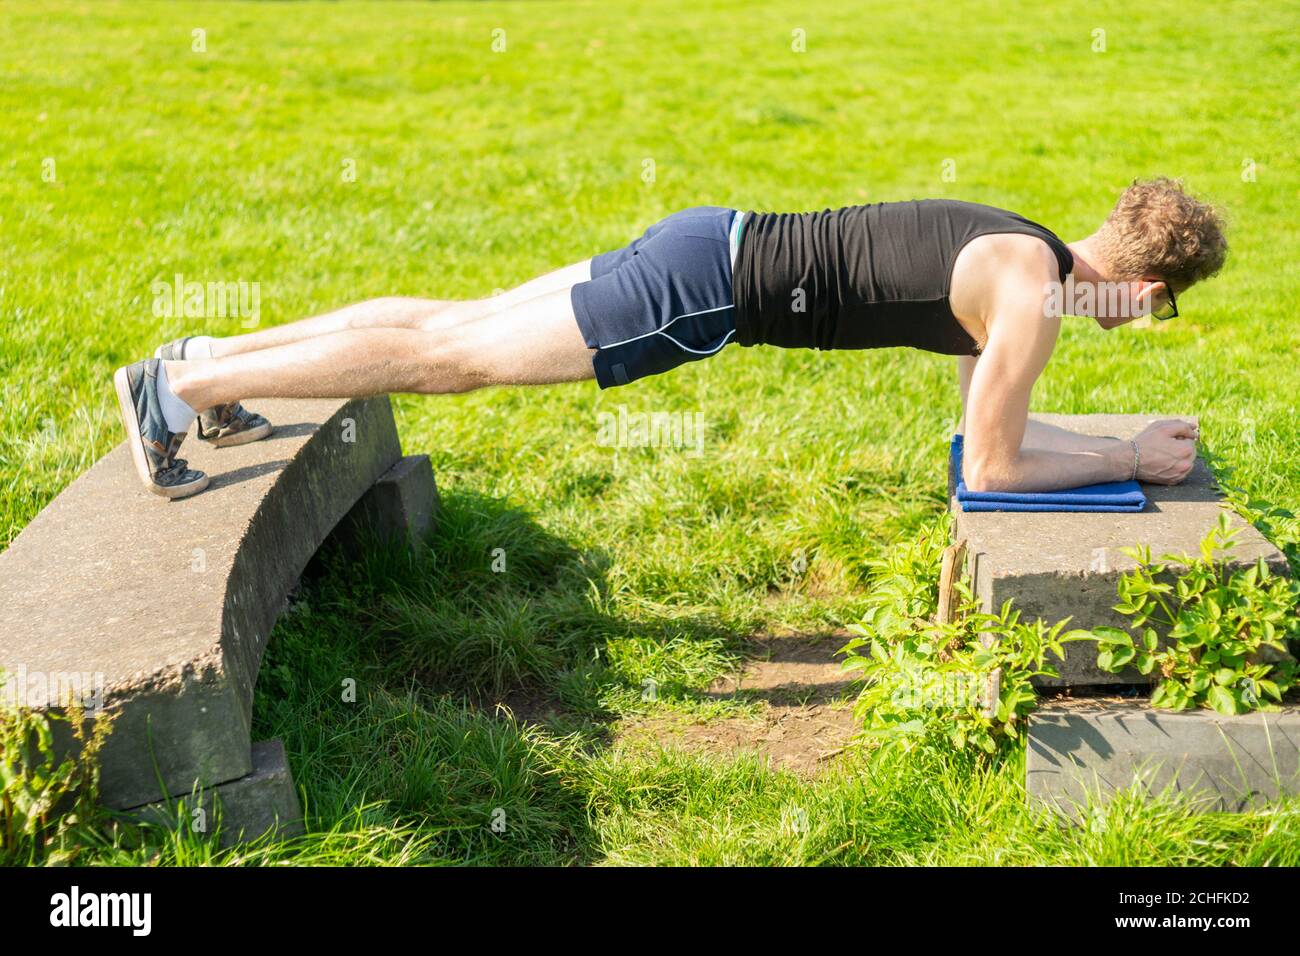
[
  {"x": 1045, "y": 437},
  {"x": 1040, "y": 469}
]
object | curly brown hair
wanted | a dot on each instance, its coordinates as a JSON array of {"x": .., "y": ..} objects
[{"x": 1158, "y": 229}]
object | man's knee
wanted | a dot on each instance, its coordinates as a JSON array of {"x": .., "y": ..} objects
[
  {"x": 454, "y": 361},
  {"x": 449, "y": 314},
  {"x": 398, "y": 311}
]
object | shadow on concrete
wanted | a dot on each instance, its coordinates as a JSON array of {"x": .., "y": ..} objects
[
  {"x": 228, "y": 479},
  {"x": 290, "y": 430},
  {"x": 1199, "y": 486}
]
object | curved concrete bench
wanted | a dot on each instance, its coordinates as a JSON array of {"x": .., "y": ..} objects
[{"x": 159, "y": 611}]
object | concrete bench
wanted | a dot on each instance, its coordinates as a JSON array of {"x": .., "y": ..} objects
[
  {"x": 1058, "y": 565},
  {"x": 158, "y": 612}
]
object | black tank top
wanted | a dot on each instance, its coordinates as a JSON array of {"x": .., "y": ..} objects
[{"x": 864, "y": 277}]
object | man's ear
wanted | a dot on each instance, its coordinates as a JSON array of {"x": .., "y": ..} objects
[{"x": 1149, "y": 289}]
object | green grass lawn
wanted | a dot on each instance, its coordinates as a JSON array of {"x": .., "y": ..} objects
[{"x": 476, "y": 170}]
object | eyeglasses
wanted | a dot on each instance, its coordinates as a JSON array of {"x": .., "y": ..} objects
[{"x": 1170, "y": 309}]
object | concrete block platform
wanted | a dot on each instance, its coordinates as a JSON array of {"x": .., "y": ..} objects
[
  {"x": 157, "y": 612},
  {"x": 1087, "y": 750},
  {"x": 400, "y": 506},
  {"x": 264, "y": 801},
  {"x": 1058, "y": 565}
]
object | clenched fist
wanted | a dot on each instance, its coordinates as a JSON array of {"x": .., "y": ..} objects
[{"x": 1166, "y": 451}]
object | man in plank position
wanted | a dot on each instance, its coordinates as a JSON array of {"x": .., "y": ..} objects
[{"x": 940, "y": 275}]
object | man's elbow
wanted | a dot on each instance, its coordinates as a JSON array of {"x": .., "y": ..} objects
[{"x": 981, "y": 477}]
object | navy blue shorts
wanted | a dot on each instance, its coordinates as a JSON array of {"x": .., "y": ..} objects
[{"x": 661, "y": 301}]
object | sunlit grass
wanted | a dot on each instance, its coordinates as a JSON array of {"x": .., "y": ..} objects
[{"x": 477, "y": 170}]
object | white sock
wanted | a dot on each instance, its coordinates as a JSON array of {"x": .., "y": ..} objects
[
  {"x": 199, "y": 347},
  {"x": 176, "y": 413}
]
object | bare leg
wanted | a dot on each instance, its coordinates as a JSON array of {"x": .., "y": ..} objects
[
  {"x": 391, "y": 312},
  {"x": 396, "y": 312},
  {"x": 562, "y": 278},
  {"x": 533, "y": 342}
]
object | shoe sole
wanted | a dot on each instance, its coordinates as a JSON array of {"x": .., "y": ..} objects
[
  {"x": 122, "y": 385},
  {"x": 240, "y": 438}
]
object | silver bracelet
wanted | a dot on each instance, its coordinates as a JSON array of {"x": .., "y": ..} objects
[{"x": 1137, "y": 458}]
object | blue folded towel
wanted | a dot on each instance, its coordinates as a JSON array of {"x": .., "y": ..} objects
[{"x": 1111, "y": 496}]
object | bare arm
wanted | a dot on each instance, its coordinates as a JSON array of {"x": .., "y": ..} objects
[
  {"x": 1003, "y": 450},
  {"x": 1037, "y": 434}
]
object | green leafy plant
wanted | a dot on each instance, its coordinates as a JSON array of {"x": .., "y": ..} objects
[
  {"x": 963, "y": 683},
  {"x": 1280, "y": 525},
  {"x": 1216, "y": 635},
  {"x": 46, "y": 801}
]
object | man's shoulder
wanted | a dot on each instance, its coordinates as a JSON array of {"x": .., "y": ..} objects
[
  {"x": 1003, "y": 270},
  {"x": 1015, "y": 251}
]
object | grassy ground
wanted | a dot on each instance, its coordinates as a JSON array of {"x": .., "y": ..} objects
[{"x": 476, "y": 170}]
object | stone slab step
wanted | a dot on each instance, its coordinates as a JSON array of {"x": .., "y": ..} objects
[
  {"x": 1085, "y": 751},
  {"x": 263, "y": 801}
]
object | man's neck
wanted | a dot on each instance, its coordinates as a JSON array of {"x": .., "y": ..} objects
[{"x": 1088, "y": 264}]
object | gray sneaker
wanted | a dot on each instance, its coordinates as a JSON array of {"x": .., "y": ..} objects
[
  {"x": 153, "y": 446},
  {"x": 222, "y": 425},
  {"x": 231, "y": 424}
]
